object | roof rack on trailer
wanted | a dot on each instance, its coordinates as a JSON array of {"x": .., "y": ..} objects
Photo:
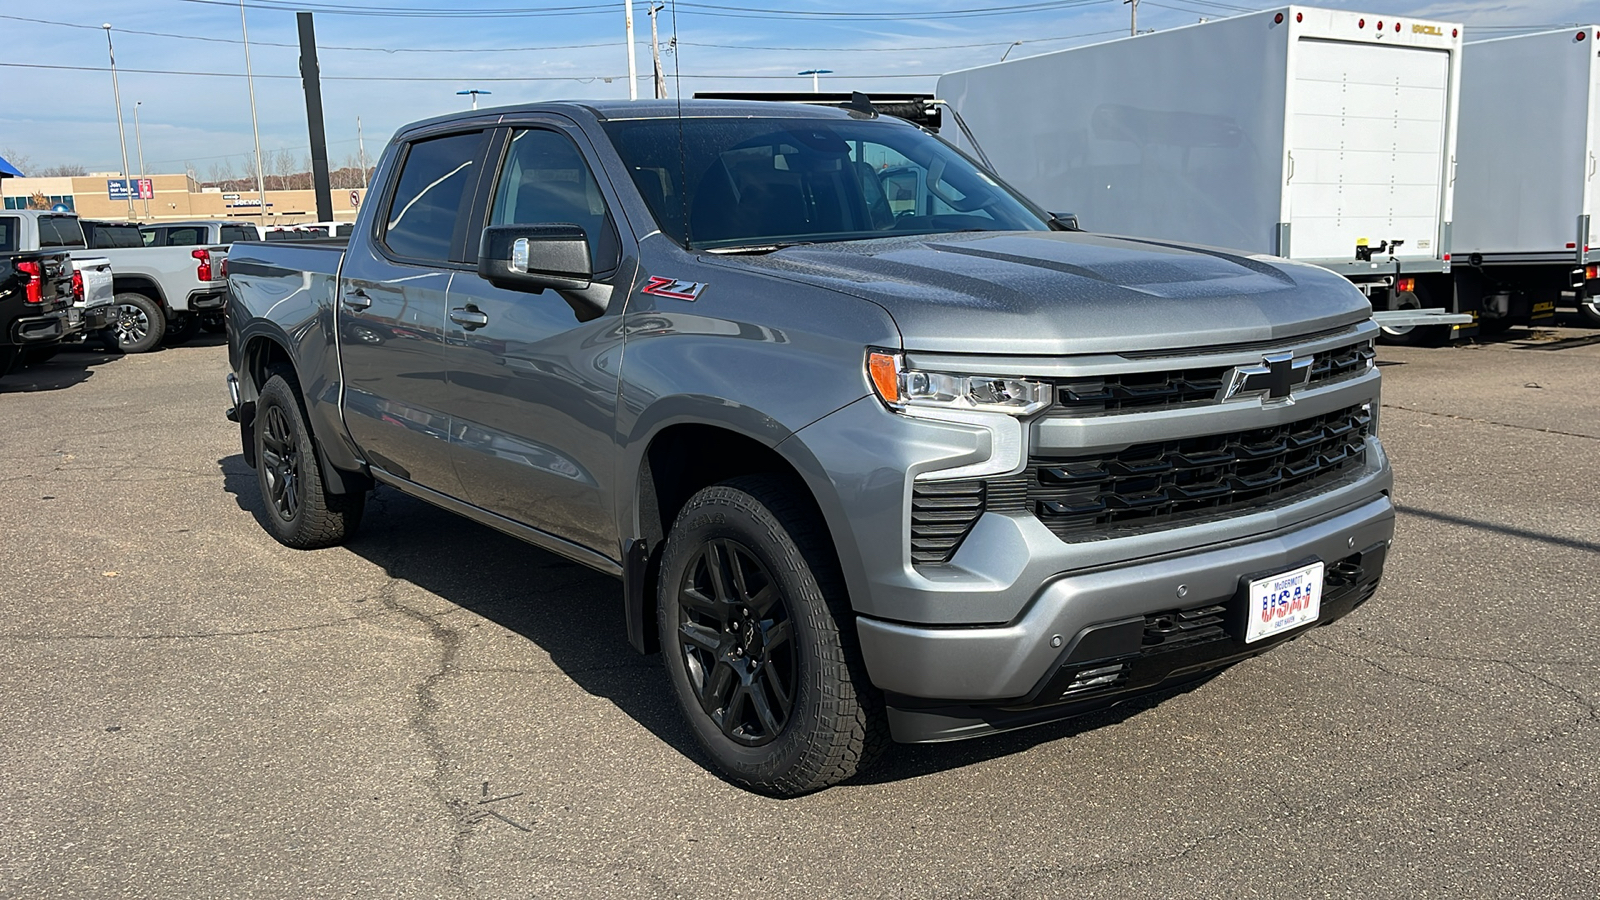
[{"x": 918, "y": 109}]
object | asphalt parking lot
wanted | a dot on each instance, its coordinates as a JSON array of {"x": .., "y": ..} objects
[{"x": 436, "y": 710}]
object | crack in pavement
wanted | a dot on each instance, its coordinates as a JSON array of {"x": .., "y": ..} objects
[{"x": 1478, "y": 421}]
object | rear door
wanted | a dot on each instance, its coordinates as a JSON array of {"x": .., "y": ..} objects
[
  {"x": 1367, "y": 140},
  {"x": 391, "y": 311},
  {"x": 534, "y": 389}
]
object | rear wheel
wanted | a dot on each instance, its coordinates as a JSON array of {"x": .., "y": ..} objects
[
  {"x": 300, "y": 511},
  {"x": 181, "y": 327},
  {"x": 1589, "y": 311},
  {"x": 138, "y": 321},
  {"x": 759, "y": 644}
]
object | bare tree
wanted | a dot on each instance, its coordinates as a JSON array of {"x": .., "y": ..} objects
[
  {"x": 66, "y": 170},
  {"x": 22, "y": 161}
]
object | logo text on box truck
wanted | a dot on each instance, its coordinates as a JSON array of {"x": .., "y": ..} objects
[{"x": 1427, "y": 29}]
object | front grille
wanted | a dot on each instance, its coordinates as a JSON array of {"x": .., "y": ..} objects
[
  {"x": 942, "y": 512},
  {"x": 1146, "y": 391},
  {"x": 1156, "y": 484}
]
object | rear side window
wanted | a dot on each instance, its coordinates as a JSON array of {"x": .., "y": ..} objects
[
  {"x": 231, "y": 233},
  {"x": 113, "y": 237},
  {"x": 60, "y": 231},
  {"x": 9, "y": 227},
  {"x": 426, "y": 209},
  {"x": 152, "y": 238},
  {"x": 187, "y": 236},
  {"x": 345, "y": 230}
]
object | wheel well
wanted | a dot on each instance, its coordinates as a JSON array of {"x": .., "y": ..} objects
[
  {"x": 261, "y": 356},
  {"x": 679, "y": 462},
  {"x": 132, "y": 284}
]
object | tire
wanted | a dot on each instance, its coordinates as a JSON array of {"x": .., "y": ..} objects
[
  {"x": 1589, "y": 311},
  {"x": 138, "y": 321},
  {"x": 763, "y": 657},
  {"x": 181, "y": 327},
  {"x": 1413, "y": 335},
  {"x": 298, "y": 509}
]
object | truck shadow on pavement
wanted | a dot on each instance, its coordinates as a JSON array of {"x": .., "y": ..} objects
[
  {"x": 575, "y": 615},
  {"x": 70, "y": 366}
]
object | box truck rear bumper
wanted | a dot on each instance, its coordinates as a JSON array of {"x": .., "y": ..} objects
[{"x": 1094, "y": 639}]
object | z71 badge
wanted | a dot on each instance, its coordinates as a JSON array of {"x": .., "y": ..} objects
[{"x": 672, "y": 287}]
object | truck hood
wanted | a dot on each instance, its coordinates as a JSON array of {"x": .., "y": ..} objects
[{"x": 1053, "y": 293}]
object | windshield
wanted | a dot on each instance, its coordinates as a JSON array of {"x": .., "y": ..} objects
[{"x": 762, "y": 182}]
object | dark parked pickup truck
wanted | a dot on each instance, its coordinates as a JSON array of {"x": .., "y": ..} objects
[
  {"x": 35, "y": 294},
  {"x": 927, "y": 468}
]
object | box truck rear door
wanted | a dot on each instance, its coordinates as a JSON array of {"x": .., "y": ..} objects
[{"x": 1367, "y": 135}]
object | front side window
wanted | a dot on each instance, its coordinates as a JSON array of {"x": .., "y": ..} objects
[
  {"x": 434, "y": 180},
  {"x": 545, "y": 181},
  {"x": 111, "y": 237},
  {"x": 734, "y": 182}
]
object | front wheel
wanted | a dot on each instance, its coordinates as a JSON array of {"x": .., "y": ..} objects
[
  {"x": 758, "y": 641},
  {"x": 300, "y": 511}
]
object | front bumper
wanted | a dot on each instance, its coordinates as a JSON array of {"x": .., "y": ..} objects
[{"x": 1092, "y": 639}]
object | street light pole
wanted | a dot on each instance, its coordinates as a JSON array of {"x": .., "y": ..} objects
[
  {"x": 138, "y": 137},
  {"x": 474, "y": 92},
  {"x": 633, "y": 67},
  {"x": 122, "y": 133},
  {"x": 255, "y": 127},
  {"x": 814, "y": 73},
  {"x": 1133, "y": 16},
  {"x": 655, "y": 52}
]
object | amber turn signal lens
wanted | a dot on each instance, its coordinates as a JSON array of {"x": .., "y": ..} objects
[{"x": 884, "y": 370}]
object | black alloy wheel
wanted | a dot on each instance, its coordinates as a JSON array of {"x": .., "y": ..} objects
[
  {"x": 759, "y": 642},
  {"x": 737, "y": 639},
  {"x": 280, "y": 463}
]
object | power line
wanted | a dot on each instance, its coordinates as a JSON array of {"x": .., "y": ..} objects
[
  {"x": 586, "y": 79},
  {"x": 599, "y": 44},
  {"x": 688, "y": 8}
]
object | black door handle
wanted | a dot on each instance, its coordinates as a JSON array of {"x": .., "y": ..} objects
[{"x": 468, "y": 317}]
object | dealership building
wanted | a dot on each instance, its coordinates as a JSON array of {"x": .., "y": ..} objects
[{"x": 169, "y": 198}]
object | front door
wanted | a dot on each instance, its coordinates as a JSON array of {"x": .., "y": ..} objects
[
  {"x": 534, "y": 389},
  {"x": 391, "y": 314}
]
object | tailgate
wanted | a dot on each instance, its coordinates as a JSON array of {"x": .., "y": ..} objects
[
  {"x": 1367, "y": 149},
  {"x": 97, "y": 281}
]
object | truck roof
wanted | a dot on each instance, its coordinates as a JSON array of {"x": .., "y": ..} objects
[{"x": 646, "y": 109}]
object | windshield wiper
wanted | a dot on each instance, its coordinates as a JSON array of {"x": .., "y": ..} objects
[{"x": 757, "y": 249}]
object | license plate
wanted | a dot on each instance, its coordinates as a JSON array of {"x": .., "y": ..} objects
[{"x": 1283, "y": 602}]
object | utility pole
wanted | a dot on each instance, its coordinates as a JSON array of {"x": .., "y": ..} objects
[
  {"x": 361, "y": 151},
  {"x": 655, "y": 52},
  {"x": 138, "y": 137},
  {"x": 255, "y": 126},
  {"x": 633, "y": 68},
  {"x": 311, "y": 78},
  {"x": 122, "y": 133},
  {"x": 1133, "y": 17}
]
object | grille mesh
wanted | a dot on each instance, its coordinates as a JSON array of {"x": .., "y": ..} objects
[{"x": 1150, "y": 485}]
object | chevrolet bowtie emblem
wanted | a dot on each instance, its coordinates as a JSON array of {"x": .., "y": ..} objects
[{"x": 1272, "y": 380}]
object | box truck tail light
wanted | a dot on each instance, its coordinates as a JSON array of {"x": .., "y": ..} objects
[
  {"x": 1447, "y": 257},
  {"x": 1397, "y": 26},
  {"x": 1455, "y": 32},
  {"x": 1582, "y": 35},
  {"x": 1572, "y": 245},
  {"x": 202, "y": 271},
  {"x": 77, "y": 285},
  {"x": 1405, "y": 285},
  {"x": 1299, "y": 17},
  {"x": 1361, "y": 23},
  {"x": 1590, "y": 273},
  {"x": 34, "y": 288}
]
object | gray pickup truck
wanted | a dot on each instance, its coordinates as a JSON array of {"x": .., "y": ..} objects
[{"x": 864, "y": 472}]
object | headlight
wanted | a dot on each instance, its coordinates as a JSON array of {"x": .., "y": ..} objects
[{"x": 906, "y": 389}]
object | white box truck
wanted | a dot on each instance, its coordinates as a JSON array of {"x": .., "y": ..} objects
[
  {"x": 1318, "y": 135},
  {"x": 1527, "y": 229}
]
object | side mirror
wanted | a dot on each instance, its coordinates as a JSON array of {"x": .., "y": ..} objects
[
  {"x": 1064, "y": 222},
  {"x": 535, "y": 257}
]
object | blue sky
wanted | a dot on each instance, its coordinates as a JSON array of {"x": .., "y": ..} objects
[{"x": 67, "y": 116}]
